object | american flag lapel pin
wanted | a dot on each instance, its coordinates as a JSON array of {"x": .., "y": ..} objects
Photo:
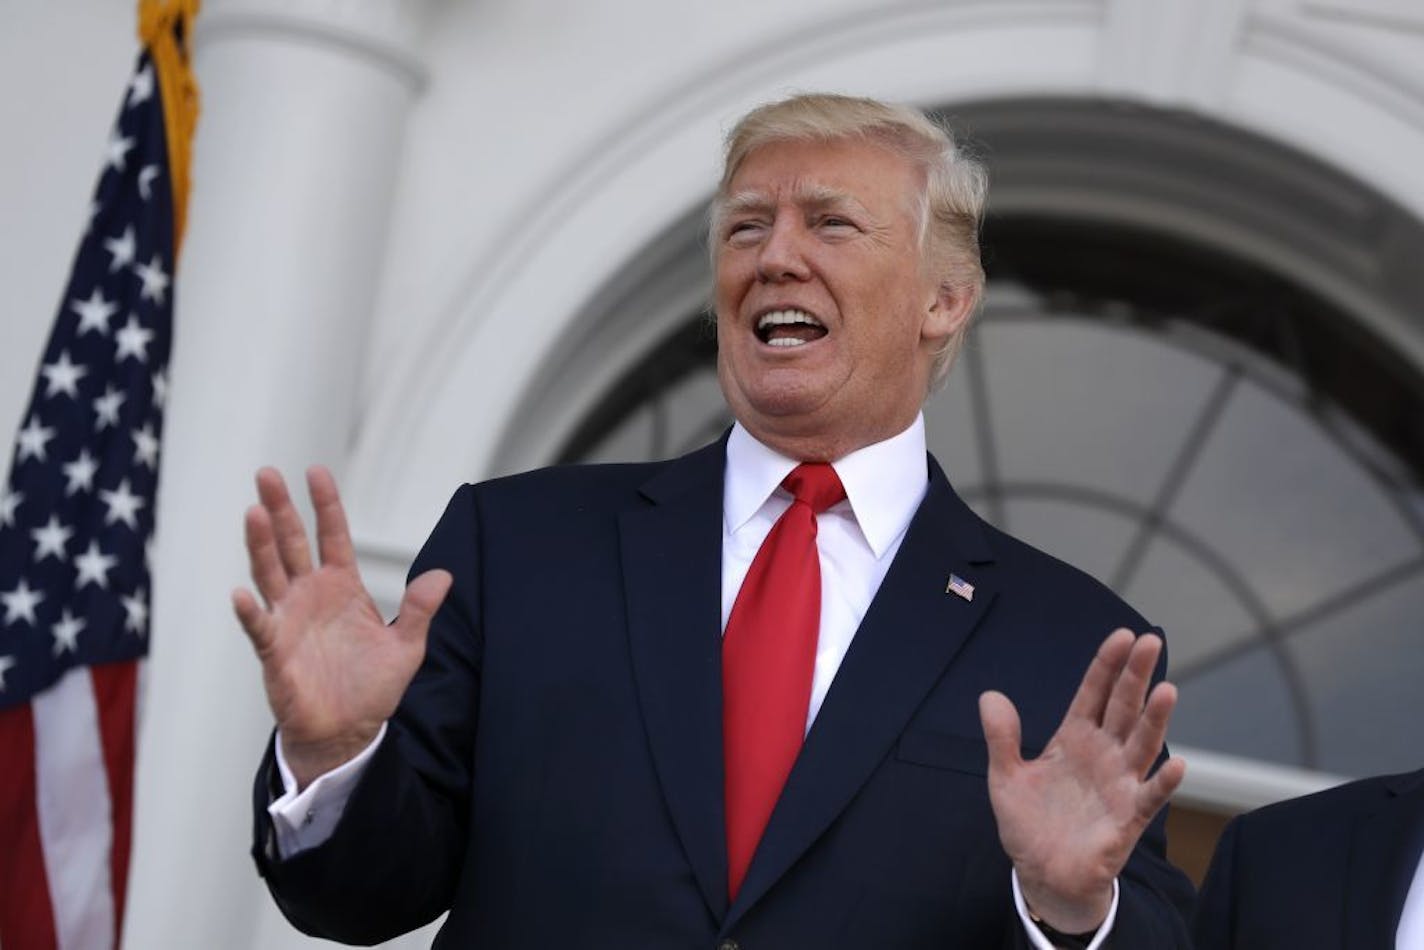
[{"x": 959, "y": 587}]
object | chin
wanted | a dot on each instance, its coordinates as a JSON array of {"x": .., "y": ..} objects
[{"x": 785, "y": 404}]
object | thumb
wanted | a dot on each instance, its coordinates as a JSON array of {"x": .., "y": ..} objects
[
  {"x": 1002, "y": 732},
  {"x": 423, "y": 596}
]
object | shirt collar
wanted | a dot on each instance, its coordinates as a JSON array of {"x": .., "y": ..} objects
[{"x": 884, "y": 482}]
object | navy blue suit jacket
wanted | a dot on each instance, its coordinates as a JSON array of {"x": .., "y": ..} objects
[
  {"x": 553, "y": 776},
  {"x": 1326, "y": 871}
]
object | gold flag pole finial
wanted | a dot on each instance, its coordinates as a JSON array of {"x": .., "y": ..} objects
[{"x": 165, "y": 27}]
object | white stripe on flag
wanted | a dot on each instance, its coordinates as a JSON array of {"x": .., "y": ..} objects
[{"x": 75, "y": 814}]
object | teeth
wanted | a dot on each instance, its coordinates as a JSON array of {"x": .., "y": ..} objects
[
  {"x": 786, "y": 317},
  {"x": 786, "y": 341}
]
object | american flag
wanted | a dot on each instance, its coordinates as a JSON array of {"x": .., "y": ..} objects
[{"x": 76, "y": 522}]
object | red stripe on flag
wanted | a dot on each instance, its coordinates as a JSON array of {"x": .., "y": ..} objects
[
  {"x": 115, "y": 687},
  {"x": 26, "y": 915}
]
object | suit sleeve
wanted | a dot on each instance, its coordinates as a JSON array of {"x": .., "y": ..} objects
[
  {"x": 392, "y": 863},
  {"x": 1212, "y": 927}
]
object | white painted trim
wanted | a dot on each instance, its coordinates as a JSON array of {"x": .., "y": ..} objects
[
  {"x": 1228, "y": 783},
  {"x": 1309, "y": 50},
  {"x": 398, "y": 59}
]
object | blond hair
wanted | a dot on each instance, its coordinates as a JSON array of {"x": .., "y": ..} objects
[{"x": 951, "y": 208}]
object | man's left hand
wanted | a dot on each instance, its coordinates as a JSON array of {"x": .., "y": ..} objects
[{"x": 1069, "y": 819}]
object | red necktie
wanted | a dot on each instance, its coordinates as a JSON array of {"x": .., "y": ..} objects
[{"x": 768, "y": 657}]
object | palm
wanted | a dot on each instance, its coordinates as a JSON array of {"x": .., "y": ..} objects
[
  {"x": 1070, "y": 818},
  {"x": 332, "y": 668}
]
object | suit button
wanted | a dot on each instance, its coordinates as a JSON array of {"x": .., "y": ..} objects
[{"x": 729, "y": 945}]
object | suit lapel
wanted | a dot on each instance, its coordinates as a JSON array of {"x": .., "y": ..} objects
[
  {"x": 911, "y": 632},
  {"x": 671, "y": 552},
  {"x": 1384, "y": 855}
]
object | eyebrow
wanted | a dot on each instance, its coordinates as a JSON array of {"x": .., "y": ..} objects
[{"x": 808, "y": 196}]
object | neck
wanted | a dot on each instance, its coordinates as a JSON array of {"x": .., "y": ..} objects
[{"x": 810, "y": 445}]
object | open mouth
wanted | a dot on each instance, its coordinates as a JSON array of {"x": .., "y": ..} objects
[{"x": 789, "y": 328}]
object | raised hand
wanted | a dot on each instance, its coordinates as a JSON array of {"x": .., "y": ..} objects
[
  {"x": 334, "y": 671},
  {"x": 1069, "y": 819}
]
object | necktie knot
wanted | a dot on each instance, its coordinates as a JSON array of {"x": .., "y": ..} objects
[{"x": 816, "y": 484}]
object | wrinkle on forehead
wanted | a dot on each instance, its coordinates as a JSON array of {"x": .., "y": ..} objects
[{"x": 808, "y": 195}]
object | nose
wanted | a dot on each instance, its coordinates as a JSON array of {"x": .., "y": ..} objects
[{"x": 782, "y": 256}]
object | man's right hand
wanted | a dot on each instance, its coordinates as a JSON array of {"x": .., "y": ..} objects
[{"x": 334, "y": 671}]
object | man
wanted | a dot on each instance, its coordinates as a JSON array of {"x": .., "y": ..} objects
[
  {"x": 591, "y": 753},
  {"x": 1340, "y": 868}
]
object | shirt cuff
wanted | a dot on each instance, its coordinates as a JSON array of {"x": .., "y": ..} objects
[
  {"x": 1036, "y": 937},
  {"x": 305, "y": 819}
]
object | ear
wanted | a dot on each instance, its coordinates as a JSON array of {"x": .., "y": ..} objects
[{"x": 948, "y": 312}]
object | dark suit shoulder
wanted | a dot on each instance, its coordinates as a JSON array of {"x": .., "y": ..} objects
[
  {"x": 569, "y": 483},
  {"x": 609, "y": 486},
  {"x": 1352, "y": 850},
  {"x": 1330, "y": 807}
]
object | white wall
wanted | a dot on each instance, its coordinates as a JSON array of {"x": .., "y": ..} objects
[{"x": 63, "y": 69}]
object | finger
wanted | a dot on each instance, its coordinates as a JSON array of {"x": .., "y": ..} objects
[
  {"x": 423, "y": 596},
  {"x": 1002, "y": 732},
  {"x": 1159, "y": 789},
  {"x": 1092, "y": 696},
  {"x": 287, "y": 525},
  {"x": 1130, "y": 691},
  {"x": 254, "y": 620},
  {"x": 1144, "y": 744},
  {"x": 263, "y": 561},
  {"x": 333, "y": 537}
]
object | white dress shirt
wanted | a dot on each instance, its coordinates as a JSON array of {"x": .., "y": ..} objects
[{"x": 856, "y": 539}]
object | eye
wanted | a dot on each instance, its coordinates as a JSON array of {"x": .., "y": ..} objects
[
  {"x": 835, "y": 222},
  {"x": 744, "y": 232}
]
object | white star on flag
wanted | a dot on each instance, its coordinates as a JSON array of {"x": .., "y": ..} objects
[
  {"x": 93, "y": 567},
  {"x": 6, "y": 662},
  {"x": 9, "y": 501},
  {"x": 146, "y": 175},
  {"x": 20, "y": 604},
  {"x": 145, "y": 446},
  {"x": 115, "y": 151},
  {"x": 94, "y": 313},
  {"x": 32, "y": 440},
  {"x": 80, "y": 473},
  {"x": 137, "y": 609},
  {"x": 133, "y": 341},
  {"x": 121, "y": 249},
  {"x": 140, "y": 87},
  {"x": 155, "y": 281},
  {"x": 66, "y": 633},
  {"x": 123, "y": 505},
  {"x": 107, "y": 408},
  {"x": 160, "y": 389},
  {"x": 50, "y": 539},
  {"x": 63, "y": 376}
]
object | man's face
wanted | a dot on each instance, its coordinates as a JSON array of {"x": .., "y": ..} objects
[{"x": 826, "y": 319}]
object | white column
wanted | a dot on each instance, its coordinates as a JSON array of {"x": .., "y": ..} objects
[{"x": 304, "y": 106}]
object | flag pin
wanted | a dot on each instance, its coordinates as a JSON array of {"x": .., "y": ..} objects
[{"x": 960, "y": 587}]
